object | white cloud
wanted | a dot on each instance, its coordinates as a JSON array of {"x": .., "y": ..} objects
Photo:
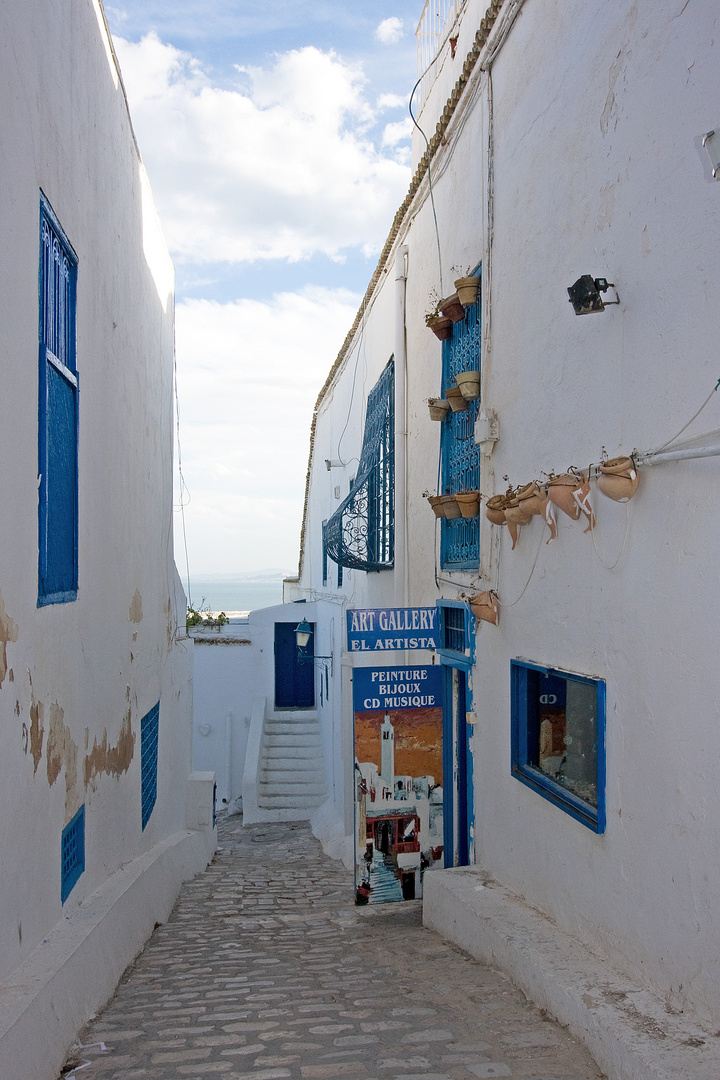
[
  {"x": 391, "y": 101},
  {"x": 390, "y": 31},
  {"x": 282, "y": 169},
  {"x": 394, "y": 133},
  {"x": 248, "y": 376}
]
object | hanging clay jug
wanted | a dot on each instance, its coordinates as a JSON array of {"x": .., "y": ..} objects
[
  {"x": 436, "y": 501},
  {"x": 533, "y": 500},
  {"x": 484, "y": 607},
  {"x": 438, "y": 408},
  {"x": 467, "y": 290},
  {"x": 582, "y": 498},
  {"x": 451, "y": 508},
  {"x": 618, "y": 479},
  {"x": 495, "y": 509},
  {"x": 469, "y": 383},
  {"x": 456, "y": 399},
  {"x": 516, "y": 513},
  {"x": 452, "y": 308},
  {"x": 560, "y": 492},
  {"x": 469, "y": 503},
  {"x": 440, "y": 325}
]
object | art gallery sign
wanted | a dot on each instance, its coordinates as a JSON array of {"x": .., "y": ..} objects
[{"x": 385, "y": 629}]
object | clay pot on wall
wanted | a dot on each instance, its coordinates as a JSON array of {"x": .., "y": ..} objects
[
  {"x": 438, "y": 408},
  {"x": 438, "y": 505},
  {"x": 440, "y": 325},
  {"x": 467, "y": 290},
  {"x": 484, "y": 607},
  {"x": 516, "y": 513},
  {"x": 469, "y": 503},
  {"x": 451, "y": 508},
  {"x": 618, "y": 479},
  {"x": 533, "y": 500},
  {"x": 495, "y": 509},
  {"x": 457, "y": 402},
  {"x": 560, "y": 492},
  {"x": 469, "y": 383},
  {"x": 452, "y": 308}
]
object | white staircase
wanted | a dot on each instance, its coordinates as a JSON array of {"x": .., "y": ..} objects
[{"x": 289, "y": 767}]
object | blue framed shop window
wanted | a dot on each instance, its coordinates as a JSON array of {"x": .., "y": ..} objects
[
  {"x": 361, "y": 532},
  {"x": 558, "y": 739},
  {"x": 57, "y": 414},
  {"x": 459, "y": 453},
  {"x": 149, "y": 729},
  {"x": 456, "y": 633},
  {"x": 72, "y": 853}
]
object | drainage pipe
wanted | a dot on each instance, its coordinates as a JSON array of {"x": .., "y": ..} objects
[
  {"x": 677, "y": 455},
  {"x": 400, "y": 510}
]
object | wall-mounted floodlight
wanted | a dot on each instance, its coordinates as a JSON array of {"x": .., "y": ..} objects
[
  {"x": 585, "y": 294},
  {"x": 303, "y": 633},
  {"x": 711, "y": 142}
]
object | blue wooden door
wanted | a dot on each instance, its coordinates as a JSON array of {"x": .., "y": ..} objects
[
  {"x": 294, "y": 681},
  {"x": 457, "y": 770}
]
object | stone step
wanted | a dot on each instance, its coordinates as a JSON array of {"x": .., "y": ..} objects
[
  {"x": 291, "y": 790},
  {"x": 292, "y": 776},
  {"x": 278, "y": 728},
  {"x": 274, "y": 754},
  {"x": 289, "y": 802}
]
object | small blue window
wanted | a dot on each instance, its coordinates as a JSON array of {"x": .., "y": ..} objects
[
  {"x": 149, "y": 726},
  {"x": 72, "y": 853},
  {"x": 558, "y": 739},
  {"x": 456, "y": 633}
]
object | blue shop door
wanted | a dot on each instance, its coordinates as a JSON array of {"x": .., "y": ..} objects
[
  {"x": 294, "y": 682},
  {"x": 457, "y": 771}
]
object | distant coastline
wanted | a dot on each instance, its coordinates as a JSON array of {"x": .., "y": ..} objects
[{"x": 236, "y": 592}]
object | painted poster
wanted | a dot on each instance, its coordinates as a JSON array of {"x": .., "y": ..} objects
[{"x": 398, "y": 780}]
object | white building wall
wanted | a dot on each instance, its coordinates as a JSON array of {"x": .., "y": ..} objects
[
  {"x": 76, "y": 678},
  {"x": 578, "y": 154}
]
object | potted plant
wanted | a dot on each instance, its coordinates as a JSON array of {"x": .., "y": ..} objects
[
  {"x": 451, "y": 507},
  {"x": 469, "y": 503},
  {"x": 467, "y": 288},
  {"x": 440, "y": 325},
  {"x": 618, "y": 479},
  {"x": 438, "y": 408},
  {"x": 469, "y": 383},
  {"x": 495, "y": 509},
  {"x": 455, "y": 396},
  {"x": 452, "y": 308},
  {"x": 437, "y": 503}
]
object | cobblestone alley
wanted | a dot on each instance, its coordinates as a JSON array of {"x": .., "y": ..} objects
[{"x": 266, "y": 970}]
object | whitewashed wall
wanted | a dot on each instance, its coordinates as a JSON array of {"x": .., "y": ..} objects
[
  {"x": 593, "y": 118},
  {"x": 81, "y": 675}
]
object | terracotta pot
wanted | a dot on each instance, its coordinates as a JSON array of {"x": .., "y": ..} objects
[
  {"x": 452, "y": 308},
  {"x": 440, "y": 326},
  {"x": 582, "y": 498},
  {"x": 532, "y": 499},
  {"x": 495, "y": 509},
  {"x": 438, "y": 408},
  {"x": 456, "y": 399},
  {"x": 516, "y": 513},
  {"x": 436, "y": 501},
  {"x": 469, "y": 503},
  {"x": 469, "y": 383},
  {"x": 560, "y": 492},
  {"x": 484, "y": 607},
  {"x": 450, "y": 506},
  {"x": 467, "y": 290},
  {"x": 618, "y": 479}
]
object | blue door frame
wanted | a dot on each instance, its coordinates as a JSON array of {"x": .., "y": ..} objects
[
  {"x": 294, "y": 681},
  {"x": 458, "y": 799}
]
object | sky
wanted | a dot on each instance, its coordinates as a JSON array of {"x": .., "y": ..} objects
[{"x": 276, "y": 137}]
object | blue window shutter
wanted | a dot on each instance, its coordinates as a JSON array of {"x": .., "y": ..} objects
[
  {"x": 58, "y": 416},
  {"x": 149, "y": 732},
  {"x": 72, "y": 853}
]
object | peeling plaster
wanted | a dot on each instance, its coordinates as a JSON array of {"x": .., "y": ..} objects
[
  {"x": 8, "y": 632},
  {"x": 136, "y": 612},
  {"x": 112, "y": 760},
  {"x": 37, "y": 732},
  {"x": 62, "y": 751}
]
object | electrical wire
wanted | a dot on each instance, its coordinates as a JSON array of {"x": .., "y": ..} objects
[
  {"x": 360, "y": 349},
  {"x": 532, "y": 571},
  {"x": 622, "y": 548},
  {"x": 682, "y": 429},
  {"x": 429, "y": 174}
]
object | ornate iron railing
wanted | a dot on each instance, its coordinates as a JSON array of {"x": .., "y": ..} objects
[
  {"x": 360, "y": 534},
  {"x": 432, "y": 31}
]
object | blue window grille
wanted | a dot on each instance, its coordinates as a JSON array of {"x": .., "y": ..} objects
[
  {"x": 558, "y": 739},
  {"x": 456, "y": 633},
  {"x": 324, "y": 555},
  {"x": 149, "y": 726},
  {"x": 460, "y": 455},
  {"x": 360, "y": 534},
  {"x": 58, "y": 415},
  {"x": 72, "y": 853}
]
